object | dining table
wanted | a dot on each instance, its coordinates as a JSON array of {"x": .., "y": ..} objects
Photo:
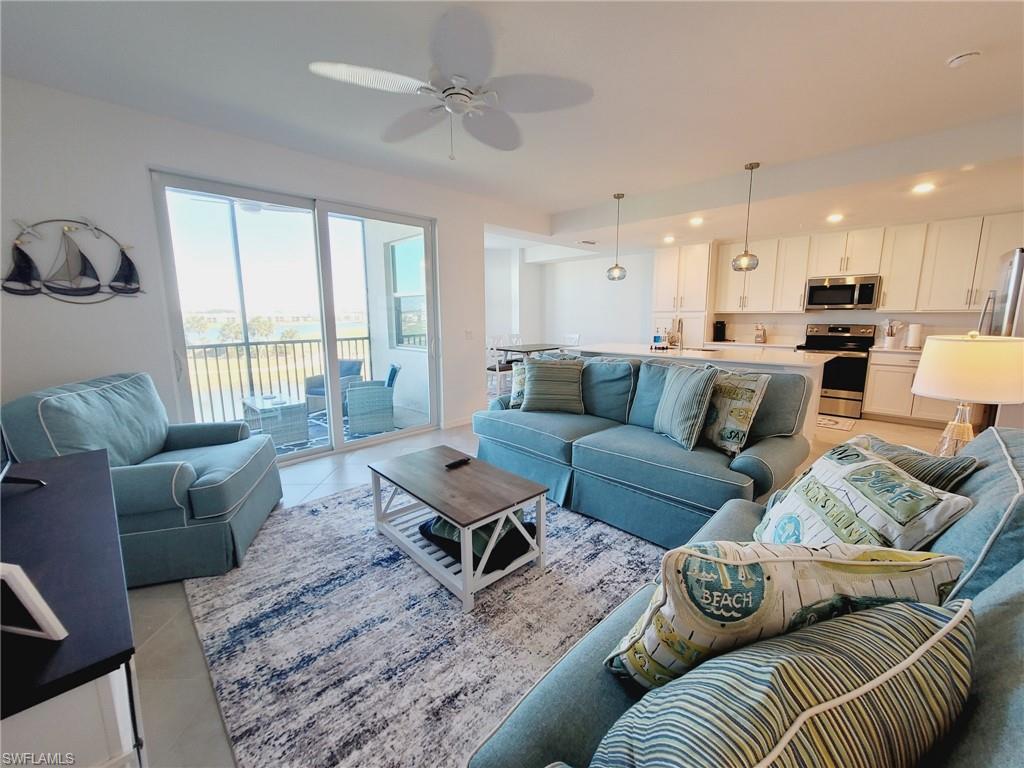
[{"x": 525, "y": 349}]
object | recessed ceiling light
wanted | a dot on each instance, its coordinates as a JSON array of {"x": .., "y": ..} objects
[
  {"x": 960, "y": 59},
  {"x": 696, "y": 221},
  {"x": 834, "y": 218},
  {"x": 966, "y": 167},
  {"x": 668, "y": 239},
  {"x": 923, "y": 188}
]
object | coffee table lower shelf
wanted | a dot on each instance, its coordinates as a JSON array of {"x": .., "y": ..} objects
[{"x": 401, "y": 525}]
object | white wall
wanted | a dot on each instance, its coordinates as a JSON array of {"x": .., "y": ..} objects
[
  {"x": 578, "y": 298},
  {"x": 501, "y": 291},
  {"x": 66, "y": 155},
  {"x": 532, "y": 288}
]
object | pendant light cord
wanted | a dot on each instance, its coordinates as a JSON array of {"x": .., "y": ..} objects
[
  {"x": 746, "y": 234},
  {"x": 618, "y": 209}
]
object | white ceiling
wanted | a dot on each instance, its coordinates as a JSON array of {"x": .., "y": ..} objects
[{"x": 683, "y": 92}]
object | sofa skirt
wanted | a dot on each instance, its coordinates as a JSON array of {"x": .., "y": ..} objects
[
  {"x": 649, "y": 516},
  {"x": 554, "y": 474}
]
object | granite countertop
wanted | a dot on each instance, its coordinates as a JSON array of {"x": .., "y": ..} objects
[{"x": 762, "y": 354}]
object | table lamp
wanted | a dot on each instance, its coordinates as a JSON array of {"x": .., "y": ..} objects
[{"x": 970, "y": 369}]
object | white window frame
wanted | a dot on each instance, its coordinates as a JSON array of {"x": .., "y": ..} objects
[{"x": 389, "y": 273}]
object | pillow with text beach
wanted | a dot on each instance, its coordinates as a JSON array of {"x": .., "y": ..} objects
[{"x": 854, "y": 496}]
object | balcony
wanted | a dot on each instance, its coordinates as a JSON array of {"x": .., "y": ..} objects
[{"x": 224, "y": 375}]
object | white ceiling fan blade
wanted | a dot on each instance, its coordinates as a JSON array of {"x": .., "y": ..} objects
[
  {"x": 539, "y": 93},
  {"x": 494, "y": 128},
  {"x": 367, "y": 77},
  {"x": 412, "y": 123},
  {"x": 461, "y": 45}
]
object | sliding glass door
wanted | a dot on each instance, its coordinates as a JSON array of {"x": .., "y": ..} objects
[
  {"x": 381, "y": 273},
  {"x": 272, "y": 292}
]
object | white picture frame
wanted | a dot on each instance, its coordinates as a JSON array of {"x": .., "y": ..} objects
[{"x": 49, "y": 626}]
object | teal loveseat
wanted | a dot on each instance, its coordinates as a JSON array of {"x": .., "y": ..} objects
[
  {"x": 190, "y": 497},
  {"x": 608, "y": 463},
  {"x": 567, "y": 713}
]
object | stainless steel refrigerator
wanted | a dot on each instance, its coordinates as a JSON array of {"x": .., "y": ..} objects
[{"x": 1006, "y": 318}]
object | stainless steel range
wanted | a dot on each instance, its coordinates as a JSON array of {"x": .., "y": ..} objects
[{"x": 842, "y": 388}]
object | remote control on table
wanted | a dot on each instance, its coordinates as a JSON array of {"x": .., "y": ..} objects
[{"x": 457, "y": 463}]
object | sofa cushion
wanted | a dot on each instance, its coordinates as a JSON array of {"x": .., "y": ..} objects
[
  {"x": 225, "y": 474},
  {"x": 650, "y": 383},
  {"x": 717, "y": 596},
  {"x": 988, "y": 732},
  {"x": 990, "y": 538},
  {"x": 553, "y": 385},
  {"x": 783, "y": 408},
  {"x": 608, "y": 387},
  {"x": 875, "y": 688},
  {"x": 851, "y": 495},
  {"x": 121, "y": 413},
  {"x": 638, "y": 457},
  {"x": 549, "y": 434},
  {"x": 684, "y": 404}
]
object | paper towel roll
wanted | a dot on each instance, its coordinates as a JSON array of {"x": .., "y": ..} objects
[{"x": 914, "y": 334}]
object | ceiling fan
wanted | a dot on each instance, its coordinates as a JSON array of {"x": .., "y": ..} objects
[{"x": 460, "y": 84}]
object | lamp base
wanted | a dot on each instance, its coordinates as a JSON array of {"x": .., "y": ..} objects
[{"x": 958, "y": 433}]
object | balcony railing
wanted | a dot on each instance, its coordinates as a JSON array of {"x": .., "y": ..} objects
[{"x": 223, "y": 374}]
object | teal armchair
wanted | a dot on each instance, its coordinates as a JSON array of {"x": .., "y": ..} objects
[{"x": 190, "y": 497}]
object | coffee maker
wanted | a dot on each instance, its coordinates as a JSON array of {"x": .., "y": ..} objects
[{"x": 718, "y": 331}]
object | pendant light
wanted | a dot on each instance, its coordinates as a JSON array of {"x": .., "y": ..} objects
[
  {"x": 746, "y": 261},
  {"x": 617, "y": 272}
]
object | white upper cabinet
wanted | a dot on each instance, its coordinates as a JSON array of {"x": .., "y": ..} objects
[
  {"x": 999, "y": 234},
  {"x": 791, "y": 274},
  {"x": 828, "y": 253},
  {"x": 759, "y": 289},
  {"x": 730, "y": 283},
  {"x": 950, "y": 255},
  {"x": 666, "y": 278},
  {"x": 902, "y": 254},
  {"x": 692, "y": 292},
  {"x": 863, "y": 252}
]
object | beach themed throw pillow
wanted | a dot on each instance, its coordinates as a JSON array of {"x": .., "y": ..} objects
[
  {"x": 734, "y": 403},
  {"x": 853, "y": 495},
  {"x": 515, "y": 398},
  {"x": 943, "y": 472},
  {"x": 716, "y": 596}
]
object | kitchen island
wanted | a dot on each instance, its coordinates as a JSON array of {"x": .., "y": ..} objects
[{"x": 765, "y": 359}]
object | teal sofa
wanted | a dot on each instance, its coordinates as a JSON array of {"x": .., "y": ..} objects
[
  {"x": 608, "y": 463},
  {"x": 566, "y": 714},
  {"x": 190, "y": 497}
]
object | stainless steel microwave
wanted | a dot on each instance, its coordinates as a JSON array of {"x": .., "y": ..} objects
[{"x": 856, "y": 292}]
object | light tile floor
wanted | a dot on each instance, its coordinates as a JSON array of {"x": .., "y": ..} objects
[{"x": 181, "y": 719}]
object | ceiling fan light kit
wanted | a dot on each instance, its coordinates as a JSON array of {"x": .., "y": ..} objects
[
  {"x": 617, "y": 272},
  {"x": 747, "y": 261},
  {"x": 460, "y": 83}
]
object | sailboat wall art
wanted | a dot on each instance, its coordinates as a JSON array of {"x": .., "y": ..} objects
[{"x": 73, "y": 276}]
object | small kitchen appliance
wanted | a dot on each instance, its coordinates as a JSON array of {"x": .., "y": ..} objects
[
  {"x": 718, "y": 331},
  {"x": 855, "y": 292}
]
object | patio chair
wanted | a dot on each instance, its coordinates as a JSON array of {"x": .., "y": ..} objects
[
  {"x": 370, "y": 405},
  {"x": 349, "y": 372}
]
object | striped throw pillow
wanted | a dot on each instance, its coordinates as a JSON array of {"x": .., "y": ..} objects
[
  {"x": 684, "y": 404},
  {"x": 875, "y": 688},
  {"x": 717, "y": 596},
  {"x": 944, "y": 473},
  {"x": 553, "y": 385}
]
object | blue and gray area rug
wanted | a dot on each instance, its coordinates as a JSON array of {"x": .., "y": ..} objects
[{"x": 329, "y": 647}]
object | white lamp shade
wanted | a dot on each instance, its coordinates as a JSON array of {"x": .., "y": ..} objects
[{"x": 972, "y": 369}]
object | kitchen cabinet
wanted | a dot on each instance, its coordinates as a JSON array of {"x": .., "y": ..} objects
[
  {"x": 863, "y": 252},
  {"x": 887, "y": 390},
  {"x": 950, "y": 257},
  {"x": 999, "y": 234},
  {"x": 692, "y": 290},
  {"x": 828, "y": 252},
  {"x": 691, "y": 331},
  {"x": 900, "y": 268},
  {"x": 666, "y": 279},
  {"x": 791, "y": 274},
  {"x": 934, "y": 410},
  {"x": 752, "y": 291}
]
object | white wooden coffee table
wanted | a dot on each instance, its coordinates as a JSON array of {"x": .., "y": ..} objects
[{"x": 469, "y": 497}]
